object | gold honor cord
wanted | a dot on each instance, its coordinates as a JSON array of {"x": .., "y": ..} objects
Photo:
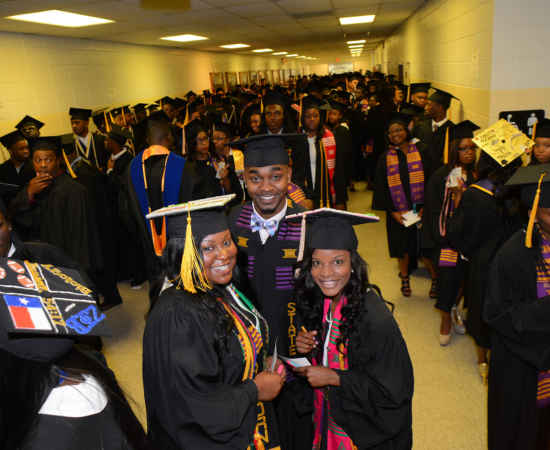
[
  {"x": 529, "y": 233},
  {"x": 92, "y": 143}
]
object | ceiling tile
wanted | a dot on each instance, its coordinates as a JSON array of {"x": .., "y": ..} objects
[
  {"x": 112, "y": 10},
  {"x": 236, "y": 25},
  {"x": 164, "y": 21},
  {"x": 272, "y": 20},
  {"x": 400, "y": 7},
  {"x": 194, "y": 5},
  {"x": 396, "y": 17},
  {"x": 354, "y": 3},
  {"x": 227, "y": 3},
  {"x": 13, "y": 9},
  {"x": 359, "y": 11},
  {"x": 356, "y": 28},
  {"x": 57, "y": 4},
  {"x": 321, "y": 23},
  {"x": 304, "y": 6},
  {"x": 256, "y": 10},
  {"x": 209, "y": 17},
  {"x": 115, "y": 28},
  {"x": 286, "y": 26},
  {"x": 251, "y": 31}
]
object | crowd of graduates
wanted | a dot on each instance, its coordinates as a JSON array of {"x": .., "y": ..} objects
[{"x": 247, "y": 287}]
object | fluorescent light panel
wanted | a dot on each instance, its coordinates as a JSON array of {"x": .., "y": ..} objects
[
  {"x": 262, "y": 50},
  {"x": 357, "y": 42},
  {"x": 280, "y": 53},
  {"x": 60, "y": 19},
  {"x": 290, "y": 56},
  {"x": 235, "y": 46},
  {"x": 356, "y": 19},
  {"x": 356, "y": 46},
  {"x": 184, "y": 38}
]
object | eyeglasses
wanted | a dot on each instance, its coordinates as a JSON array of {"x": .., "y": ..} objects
[
  {"x": 465, "y": 149},
  {"x": 202, "y": 141},
  {"x": 168, "y": 110},
  {"x": 219, "y": 139},
  {"x": 390, "y": 133},
  {"x": 28, "y": 129},
  {"x": 20, "y": 149}
]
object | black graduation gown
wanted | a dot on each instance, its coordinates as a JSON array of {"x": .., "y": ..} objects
[
  {"x": 100, "y": 156},
  {"x": 401, "y": 240},
  {"x": 449, "y": 279},
  {"x": 89, "y": 176},
  {"x": 435, "y": 140},
  {"x": 374, "y": 129},
  {"x": 9, "y": 174},
  {"x": 356, "y": 121},
  {"x": 373, "y": 403},
  {"x": 62, "y": 215},
  {"x": 344, "y": 153},
  {"x": 270, "y": 272},
  {"x": 208, "y": 174},
  {"x": 196, "y": 399},
  {"x": 192, "y": 187},
  {"x": 478, "y": 231},
  {"x": 520, "y": 348}
]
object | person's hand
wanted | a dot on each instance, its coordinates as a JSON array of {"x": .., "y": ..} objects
[
  {"x": 38, "y": 184},
  {"x": 110, "y": 164},
  {"x": 457, "y": 190},
  {"x": 307, "y": 204},
  {"x": 305, "y": 341},
  {"x": 420, "y": 213},
  {"x": 398, "y": 217},
  {"x": 341, "y": 207},
  {"x": 278, "y": 364},
  {"x": 223, "y": 172},
  {"x": 319, "y": 376},
  {"x": 269, "y": 385}
]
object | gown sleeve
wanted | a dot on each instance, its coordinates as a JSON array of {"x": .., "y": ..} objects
[
  {"x": 343, "y": 174},
  {"x": 196, "y": 409},
  {"x": 464, "y": 228},
  {"x": 521, "y": 319},
  {"x": 381, "y": 198},
  {"x": 373, "y": 402}
]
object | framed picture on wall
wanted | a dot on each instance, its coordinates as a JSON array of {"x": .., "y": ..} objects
[
  {"x": 261, "y": 75},
  {"x": 294, "y": 72},
  {"x": 286, "y": 75},
  {"x": 269, "y": 76},
  {"x": 275, "y": 77},
  {"x": 253, "y": 77},
  {"x": 216, "y": 81},
  {"x": 245, "y": 78},
  {"x": 231, "y": 80}
]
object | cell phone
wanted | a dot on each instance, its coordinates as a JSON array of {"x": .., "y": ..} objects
[{"x": 417, "y": 207}]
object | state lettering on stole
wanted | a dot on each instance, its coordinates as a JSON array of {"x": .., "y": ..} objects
[{"x": 242, "y": 241}]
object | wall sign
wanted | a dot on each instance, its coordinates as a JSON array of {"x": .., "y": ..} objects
[
  {"x": 340, "y": 68},
  {"x": 523, "y": 120}
]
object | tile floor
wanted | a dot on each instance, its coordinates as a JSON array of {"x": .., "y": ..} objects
[{"x": 449, "y": 405}]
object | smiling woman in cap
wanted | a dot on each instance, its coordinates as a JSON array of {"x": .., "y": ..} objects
[
  {"x": 362, "y": 373},
  {"x": 205, "y": 347},
  {"x": 517, "y": 309}
]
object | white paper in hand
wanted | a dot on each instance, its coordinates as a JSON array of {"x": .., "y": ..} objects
[
  {"x": 454, "y": 176},
  {"x": 296, "y": 362},
  {"x": 221, "y": 166},
  {"x": 410, "y": 218},
  {"x": 274, "y": 356}
]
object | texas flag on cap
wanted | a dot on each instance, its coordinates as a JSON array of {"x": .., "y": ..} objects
[{"x": 27, "y": 313}]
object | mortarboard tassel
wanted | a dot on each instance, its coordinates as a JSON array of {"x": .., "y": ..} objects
[
  {"x": 110, "y": 115},
  {"x": 347, "y": 88},
  {"x": 107, "y": 126},
  {"x": 300, "y": 115},
  {"x": 261, "y": 105},
  {"x": 191, "y": 264},
  {"x": 409, "y": 94},
  {"x": 69, "y": 168},
  {"x": 534, "y": 131},
  {"x": 529, "y": 233},
  {"x": 301, "y": 247},
  {"x": 186, "y": 121},
  {"x": 446, "y": 151},
  {"x": 123, "y": 116}
]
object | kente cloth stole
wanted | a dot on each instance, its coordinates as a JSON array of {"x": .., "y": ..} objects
[
  {"x": 337, "y": 439},
  {"x": 295, "y": 193},
  {"x": 543, "y": 290},
  {"x": 416, "y": 176},
  {"x": 370, "y": 146},
  {"x": 171, "y": 180},
  {"x": 330, "y": 153},
  {"x": 448, "y": 257}
]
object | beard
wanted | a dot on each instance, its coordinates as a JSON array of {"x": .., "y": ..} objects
[{"x": 267, "y": 211}]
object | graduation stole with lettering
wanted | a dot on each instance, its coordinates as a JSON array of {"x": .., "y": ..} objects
[
  {"x": 543, "y": 288},
  {"x": 336, "y": 359},
  {"x": 328, "y": 147},
  {"x": 171, "y": 180},
  {"x": 416, "y": 176}
]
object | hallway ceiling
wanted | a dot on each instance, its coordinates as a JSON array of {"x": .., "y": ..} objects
[{"x": 305, "y": 27}]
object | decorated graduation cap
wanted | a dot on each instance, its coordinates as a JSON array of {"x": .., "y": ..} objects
[
  {"x": 541, "y": 129},
  {"x": 140, "y": 107},
  {"x": 119, "y": 134},
  {"x": 535, "y": 192},
  {"x": 503, "y": 142},
  {"x": 265, "y": 150},
  {"x": 43, "y": 309},
  {"x": 205, "y": 217},
  {"x": 29, "y": 121},
  {"x": 11, "y": 138},
  {"x": 462, "y": 130},
  {"x": 442, "y": 97},
  {"x": 228, "y": 129},
  {"x": 397, "y": 117},
  {"x": 417, "y": 88},
  {"x": 80, "y": 114}
]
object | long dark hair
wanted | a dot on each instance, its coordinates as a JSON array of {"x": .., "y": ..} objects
[
  {"x": 191, "y": 141},
  {"x": 454, "y": 155},
  {"x": 507, "y": 197},
  {"x": 310, "y": 298},
  {"x": 25, "y": 386},
  {"x": 320, "y": 128}
]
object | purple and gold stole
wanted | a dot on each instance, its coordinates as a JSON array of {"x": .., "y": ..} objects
[
  {"x": 416, "y": 175},
  {"x": 543, "y": 290},
  {"x": 369, "y": 148}
]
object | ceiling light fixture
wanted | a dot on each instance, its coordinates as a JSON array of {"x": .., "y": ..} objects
[
  {"x": 356, "y": 46},
  {"x": 60, "y": 19},
  {"x": 290, "y": 56},
  {"x": 357, "y": 42},
  {"x": 262, "y": 50},
  {"x": 184, "y": 38},
  {"x": 235, "y": 46},
  {"x": 300, "y": 57},
  {"x": 356, "y": 19},
  {"x": 280, "y": 53}
]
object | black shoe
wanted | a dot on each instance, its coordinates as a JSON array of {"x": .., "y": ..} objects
[
  {"x": 107, "y": 306},
  {"x": 138, "y": 281}
]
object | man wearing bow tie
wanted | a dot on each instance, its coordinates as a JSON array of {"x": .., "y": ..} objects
[{"x": 271, "y": 243}]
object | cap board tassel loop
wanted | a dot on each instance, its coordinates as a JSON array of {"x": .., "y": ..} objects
[
  {"x": 69, "y": 168},
  {"x": 302, "y": 243},
  {"x": 529, "y": 234},
  {"x": 446, "y": 152},
  {"x": 192, "y": 269}
]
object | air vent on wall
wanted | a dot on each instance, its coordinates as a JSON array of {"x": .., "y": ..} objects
[{"x": 313, "y": 15}]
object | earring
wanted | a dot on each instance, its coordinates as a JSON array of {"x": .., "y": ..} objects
[{"x": 352, "y": 271}]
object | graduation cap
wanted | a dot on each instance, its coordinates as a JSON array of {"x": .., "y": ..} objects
[
  {"x": 98, "y": 117},
  {"x": 314, "y": 87},
  {"x": 353, "y": 77},
  {"x": 217, "y": 99},
  {"x": 67, "y": 143},
  {"x": 54, "y": 143},
  {"x": 165, "y": 101},
  {"x": 29, "y": 121},
  {"x": 226, "y": 101},
  {"x": 403, "y": 88},
  {"x": 311, "y": 101},
  {"x": 248, "y": 96},
  {"x": 11, "y": 138},
  {"x": 151, "y": 120},
  {"x": 226, "y": 128},
  {"x": 462, "y": 130},
  {"x": 193, "y": 128},
  {"x": 378, "y": 75},
  {"x": 115, "y": 113},
  {"x": 119, "y": 134},
  {"x": 265, "y": 150},
  {"x": 343, "y": 94},
  {"x": 397, "y": 117},
  {"x": 361, "y": 87},
  {"x": 335, "y": 105},
  {"x": 4, "y": 189},
  {"x": 373, "y": 83},
  {"x": 153, "y": 107},
  {"x": 417, "y": 88},
  {"x": 410, "y": 108},
  {"x": 179, "y": 103},
  {"x": 391, "y": 77},
  {"x": 330, "y": 229},
  {"x": 277, "y": 98},
  {"x": 535, "y": 192},
  {"x": 43, "y": 309},
  {"x": 80, "y": 114},
  {"x": 442, "y": 97},
  {"x": 541, "y": 129},
  {"x": 206, "y": 217},
  {"x": 189, "y": 94},
  {"x": 126, "y": 109},
  {"x": 206, "y": 93},
  {"x": 140, "y": 107}
]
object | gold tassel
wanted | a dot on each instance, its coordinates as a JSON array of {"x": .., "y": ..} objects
[
  {"x": 446, "y": 151},
  {"x": 186, "y": 121},
  {"x": 191, "y": 264},
  {"x": 534, "y": 131},
  {"x": 300, "y": 115},
  {"x": 262, "y": 105},
  {"x": 69, "y": 168},
  {"x": 409, "y": 94},
  {"x": 347, "y": 88},
  {"x": 529, "y": 234},
  {"x": 107, "y": 126},
  {"x": 123, "y": 116},
  {"x": 258, "y": 440}
]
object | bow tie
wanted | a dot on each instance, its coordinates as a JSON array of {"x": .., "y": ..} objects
[{"x": 257, "y": 223}]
